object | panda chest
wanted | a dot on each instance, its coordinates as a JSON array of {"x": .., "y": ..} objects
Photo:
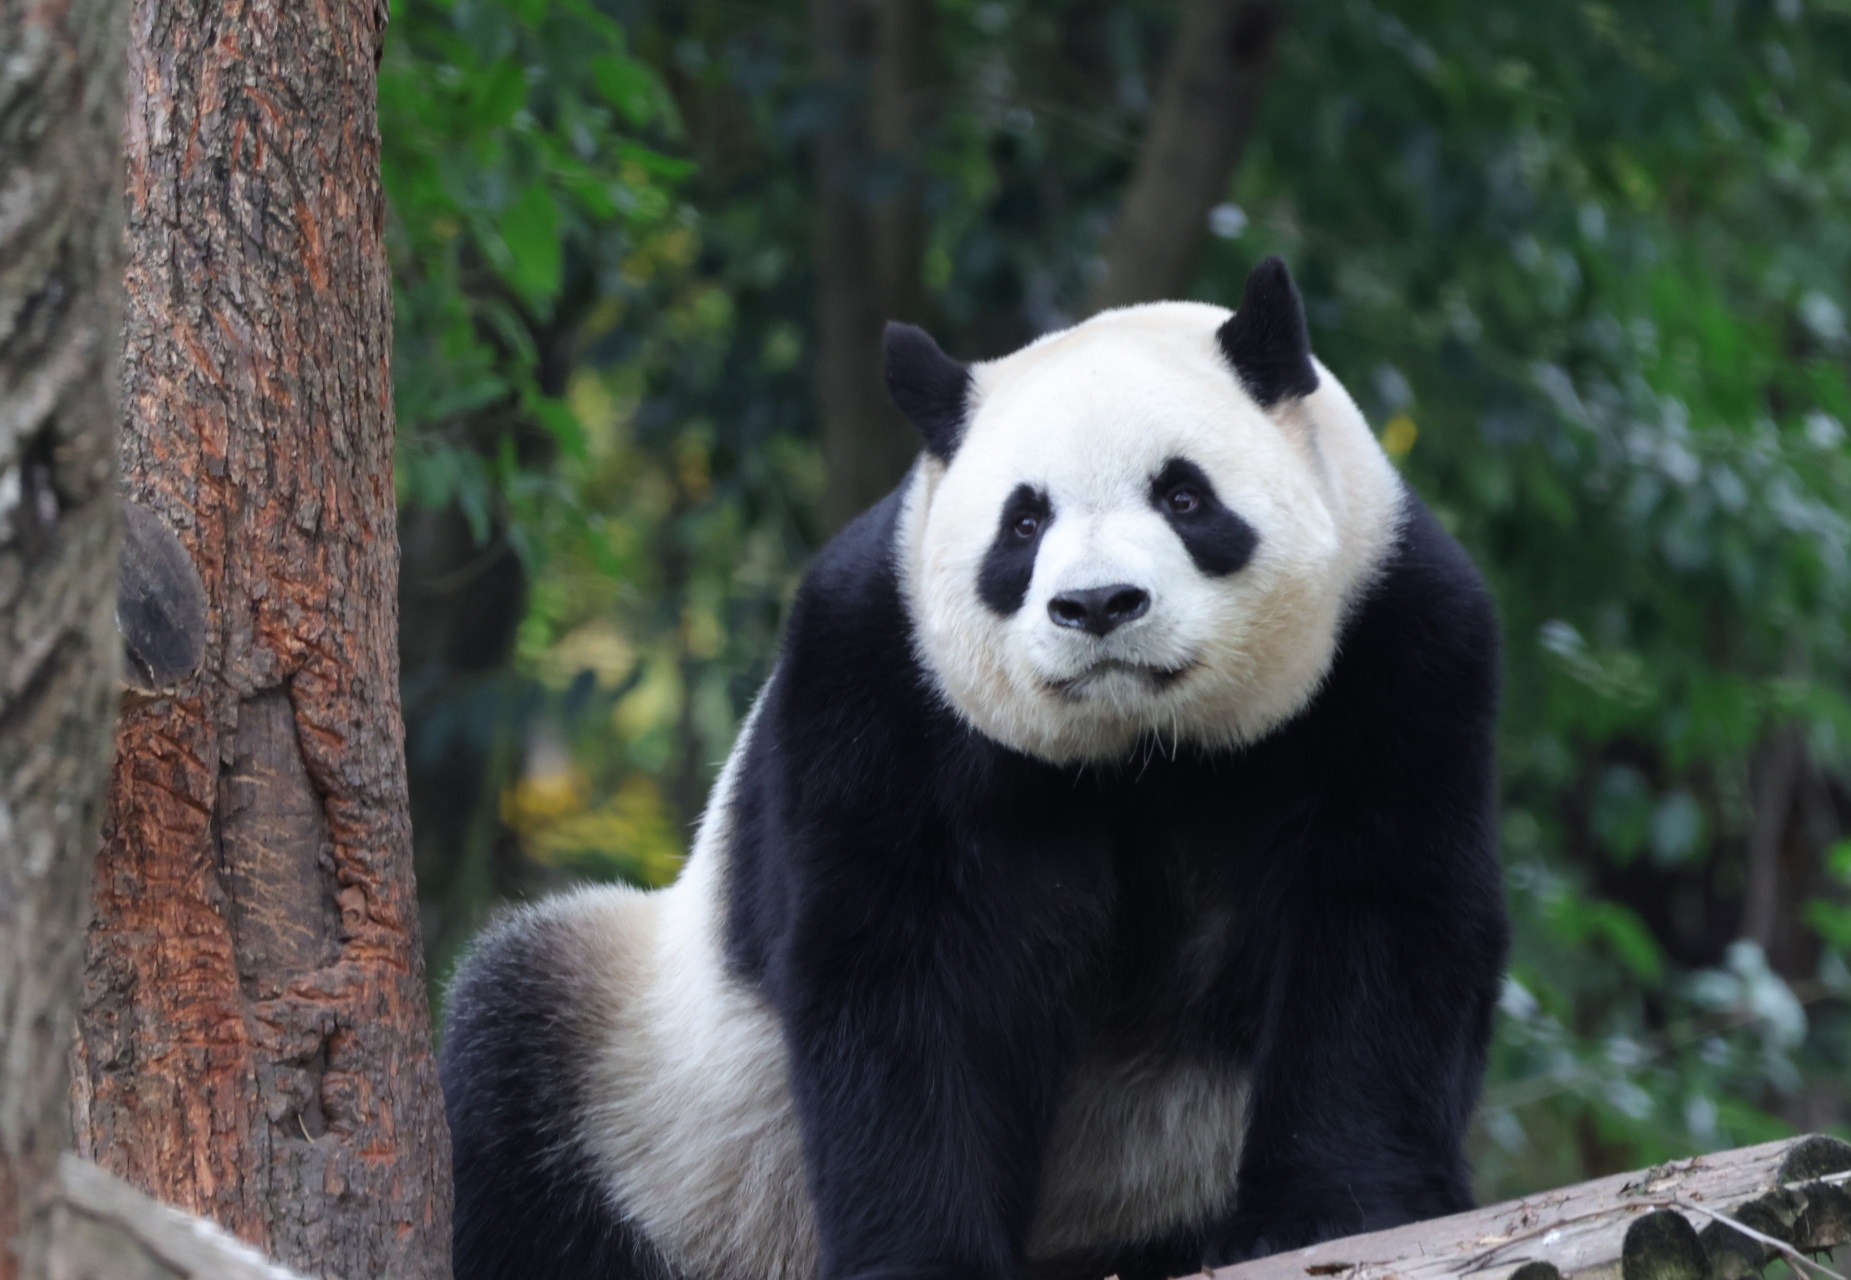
[
  {"x": 1138, "y": 1149},
  {"x": 1146, "y": 1136}
]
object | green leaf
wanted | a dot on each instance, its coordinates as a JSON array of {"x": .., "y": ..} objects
[
  {"x": 654, "y": 163},
  {"x": 530, "y": 229},
  {"x": 497, "y": 92},
  {"x": 557, "y": 417},
  {"x": 474, "y": 496},
  {"x": 1831, "y": 921},
  {"x": 1631, "y": 941},
  {"x": 432, "y": 476},
  {"x": 629, "y": 86},
  {"x": 602, "y": 25},
  {"x": 1748, "y": 1124},
  {"x": 1838, "y": 860},
  {"x": 1579, "y": 920}
]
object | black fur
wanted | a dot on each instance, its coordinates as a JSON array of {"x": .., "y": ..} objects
[
  {"x": 1217, "y": 539},
  {"x": 931, "y": 388},
  {"x": 1266, "y": 340},
  {"x": 945, "y": 926},
  {"x": 528, "y": 1206},
  {"x": 1009, "y": 564}
]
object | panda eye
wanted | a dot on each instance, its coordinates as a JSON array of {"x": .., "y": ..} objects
[
  {"x": 1026, "y": 526},
  {"x": 1183, "y": 499}
]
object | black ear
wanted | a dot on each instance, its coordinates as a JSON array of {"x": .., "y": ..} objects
[
  {"x": 1266, "y": 340},
  {"x": 931, "y": 388}
]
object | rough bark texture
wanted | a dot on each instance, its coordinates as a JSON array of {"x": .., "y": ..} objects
[
  {"x": 869, "y": 240},
  {"x": 60, "y": 263},
  {"x": 254, "y": 1043},
  {"x": 1206, "y": 106}
]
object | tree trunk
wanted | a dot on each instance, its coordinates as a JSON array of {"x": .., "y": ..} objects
[
  {"x": 60, "y": 263},
  {"x": 1783, "y": 762},
  {"x": 1206, "y": 106},
  {"x": 254, "y": 1043},
  {"x": 870, "y": 241}
]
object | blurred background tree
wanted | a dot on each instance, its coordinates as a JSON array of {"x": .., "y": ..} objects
[{"x": 1585, "y": 267}]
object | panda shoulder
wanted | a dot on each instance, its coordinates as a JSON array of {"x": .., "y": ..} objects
[
  {"x": 854, "y": 580},
  {"x": 1431, "y": 568},
  {"x": 848, "y": 650},
  {"x": 1426, "y": 621}
]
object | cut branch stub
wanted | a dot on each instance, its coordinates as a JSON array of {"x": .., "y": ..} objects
[
  {"x": 1825, "y": 1220},
  {"x": 160, "y": 604},
  {"x": 1772, "y": 1215},
  {"x": 1663, "y": 1246},
  {"x": 1732, "y": 1255},
  {"x": 1536, "y": 1271},
  {"x": 1815, "y": 1156}
]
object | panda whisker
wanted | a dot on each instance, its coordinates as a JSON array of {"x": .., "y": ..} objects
[{"x": 1153, "y": 744}]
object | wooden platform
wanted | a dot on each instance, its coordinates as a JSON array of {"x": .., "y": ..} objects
[{"x": 1664, "y": 1223}]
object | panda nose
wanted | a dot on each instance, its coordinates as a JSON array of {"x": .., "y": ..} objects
[{"x": 1099, "y": 610}]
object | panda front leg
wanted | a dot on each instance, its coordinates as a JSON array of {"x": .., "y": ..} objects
[
  {"x": 923, "y": 1061},
  {"x": 1368, "y": 1066}
]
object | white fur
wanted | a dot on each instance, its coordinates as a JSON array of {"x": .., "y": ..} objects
[
  {"x": 1089, "y": 416},
  {"x": 1137, "y": 1149},
  {"x": 696, "y": 1134}
]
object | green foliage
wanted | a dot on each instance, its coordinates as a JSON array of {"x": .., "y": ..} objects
[
  {"x": 509, "y": 146},
  {"x": 1586, "y": 266},
  {"x": 1598, "y": 254}
]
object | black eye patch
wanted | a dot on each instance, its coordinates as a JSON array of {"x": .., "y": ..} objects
[
  {"x": 1010, "y": 562},
  {"x": 1217, "y": 539}
]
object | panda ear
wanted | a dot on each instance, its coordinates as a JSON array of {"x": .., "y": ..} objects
[
  {"x": 1266, "y": 340},
  {"x": 931, "y": 388}
]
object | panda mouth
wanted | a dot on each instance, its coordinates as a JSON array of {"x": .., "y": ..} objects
[{"x": 1160, "y": 678}]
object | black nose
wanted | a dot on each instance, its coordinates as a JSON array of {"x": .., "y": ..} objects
[{"x": 1100, "y": 609}]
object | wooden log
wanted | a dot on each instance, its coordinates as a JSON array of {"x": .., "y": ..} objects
[
  {"x": 1669, "y": 1222},
  {"x": 103, "y": 1229}
]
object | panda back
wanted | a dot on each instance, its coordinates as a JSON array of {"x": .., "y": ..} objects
[{"x": 527, "y": 1010}]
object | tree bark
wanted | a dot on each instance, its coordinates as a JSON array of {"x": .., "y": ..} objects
[
  {"x": 1782, "y": 771},
  {"x": 870, "y": 241},
  {"x": 60, "y": 262},
  {"x": 1206, "y": 106},
  {"x": 254, "y": 1042}
]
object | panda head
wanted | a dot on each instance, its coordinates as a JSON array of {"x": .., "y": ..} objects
[{"x": 1150, "y": 524}]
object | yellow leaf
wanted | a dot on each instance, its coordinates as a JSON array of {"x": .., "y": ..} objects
[{"x": 1399, "y": 435}]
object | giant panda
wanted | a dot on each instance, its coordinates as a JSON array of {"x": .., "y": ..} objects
[{"x": 1103, "y": 883}]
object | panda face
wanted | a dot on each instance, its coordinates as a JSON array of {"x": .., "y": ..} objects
[{"x": 1125, "y": 543}]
